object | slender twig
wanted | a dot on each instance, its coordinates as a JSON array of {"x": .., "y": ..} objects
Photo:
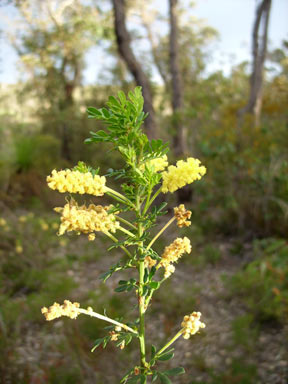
[
  {"x": 124, "y": 221},
  {"x": 116, "y": 241},
  {"x": 126, "y": 231},
  {"x": 167, "y": 345},
  {"x": 122, "y": 197},
  {"x": 160, "y": 232},
  {"x": 152, "y": 199},
  {"x": 105, "y": 318}
]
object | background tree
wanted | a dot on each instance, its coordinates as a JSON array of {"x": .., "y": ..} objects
[
  {"x": 123, "y": 42},
  {"x": 52, "y": 42},
  {"x": 259, "y": 51},
  {"x": 180, "y": 136}
]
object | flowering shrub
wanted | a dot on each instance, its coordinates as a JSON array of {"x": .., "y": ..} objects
[{"x": 144, "y": 171}]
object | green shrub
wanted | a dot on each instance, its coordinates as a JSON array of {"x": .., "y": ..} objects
[{"x": 263, "y": 283}]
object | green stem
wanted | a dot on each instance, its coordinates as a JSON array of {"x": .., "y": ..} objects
[
  {"x": 152, "y": 199},
  {"x": 147, "y": 201},
  {"x": 149, "y": 297},
  {"x": 126, "y": 231},
  {"x": 115, "y": 198},
  {"x": 141, "y": 313},
  {"x": 116, "y": 241},
  {"x": 160, "y": 232},
  {"x": 119, "y": 195},
  {"x": 167, "y": 345},
  {"x": 141, "y": 299},
  {"x": 124, "y": 221}
]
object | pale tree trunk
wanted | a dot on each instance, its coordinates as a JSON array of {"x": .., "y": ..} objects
[
  {"x": 147, "y": 24},
  {"x": 125, "y": 50},
  {"x": 259, "y": 50},
  {"x": 180, "y": 137}
]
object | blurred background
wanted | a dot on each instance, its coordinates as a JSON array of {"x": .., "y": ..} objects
[{"x": 215, "y": 79}]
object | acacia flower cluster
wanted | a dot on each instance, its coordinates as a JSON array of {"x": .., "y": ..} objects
[
  {"x": 93, "y": 218},
  {"x": 184, "y": 173},
  {"x": 172, "y": 254},
  {"x": 77, "y": 182},
  {"x": 115, "y": 335},
  {"x": 56, "y": 310},
  {"x": 159, "y": 164},
  {"x": 191, "y": 324},
  {"x": 182, "y": 215},
  {"x": 149, "y": 262}
]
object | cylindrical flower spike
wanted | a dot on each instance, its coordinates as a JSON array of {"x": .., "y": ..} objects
[
  {"x": 94, "y": 218},
  {"x": 158, "y": 164},
  {"x": 77, "y": 182},
  {"x": 56, "y": 310},
  {"x": 184, "y": 173},
  {"x": 174, "y": 251}
]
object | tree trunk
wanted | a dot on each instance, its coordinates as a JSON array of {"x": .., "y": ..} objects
[
  {"x": 259, "y": 50},
  {"x": 180, "y": 137},
  {"x": 123, "y": 43}
]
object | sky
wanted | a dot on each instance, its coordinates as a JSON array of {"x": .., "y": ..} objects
[{"x": 232, "y": 18}]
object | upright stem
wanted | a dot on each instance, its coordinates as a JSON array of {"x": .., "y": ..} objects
[
  {"x": 141, "y": 299},
  {"x": 152, "y": 199},
  {"x": 141, "y": 314}
]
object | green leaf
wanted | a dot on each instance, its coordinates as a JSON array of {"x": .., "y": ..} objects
[
  {"x": 105, "y": 113},
  {"x": 175, "y": 371},
  {"x": 122, "y": 288},
  {"x": 154, "y": 376},
  {"x": 93, "y": 112},
  {"x": 122, "y": 282},
  {"x": 105, "y": 342},
  {"x": 153, "y": 351},
  {"x": 152, "y": 272},
  {"x": 164, "y": 379},
  {"x": 145, "y": 290},
  {"x": 143, "y": 378},
  {"x": 154, "y": 284},
  {"x": 97, "y": 343},
  {"x": 112, "y": 101},
  {"x": 166, "y": 356},
  {"x": 133, "y": 380},
  {"x": 122, "y": 97}
]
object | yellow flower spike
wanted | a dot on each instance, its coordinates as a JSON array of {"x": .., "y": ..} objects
[
  {"x": 159, "y": 164},
  {"x": 91, "y": 237},
  {"x": 86, "y": 219},
  {"x": 3, "y": 222},
  {"x": 174, "y": 251},
  {"x": 77, "y": 182},
  {"x": 185, "y": 172},
  {"x": 56, "y": 310},
  {"x": 191, "y": 324},
  {"x": 182, "y": 215}
]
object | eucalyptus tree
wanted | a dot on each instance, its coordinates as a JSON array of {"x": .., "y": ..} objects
[{"x": 52, "y": 38}]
